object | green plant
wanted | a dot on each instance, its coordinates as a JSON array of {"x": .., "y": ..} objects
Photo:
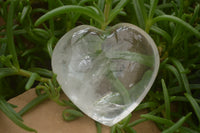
[{"x": 31, "y": 29}]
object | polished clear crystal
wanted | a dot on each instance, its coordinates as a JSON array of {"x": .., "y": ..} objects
[{"x": 106, "y": 73}]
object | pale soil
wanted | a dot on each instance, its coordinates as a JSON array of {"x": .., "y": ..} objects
[{"x": 47, "y": 118}]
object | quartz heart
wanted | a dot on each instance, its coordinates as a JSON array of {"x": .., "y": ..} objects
[{"x": 106, "y": 73}]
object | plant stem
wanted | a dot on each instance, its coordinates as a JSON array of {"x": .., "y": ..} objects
[
  {"x": 106, "y": 13},
  {"x": 26, "y": 73},
  {"x": 9, "y": 33},
  {"x": 148, "y": 25}
]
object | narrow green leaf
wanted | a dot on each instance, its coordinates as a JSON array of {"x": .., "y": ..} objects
[
  {"x": 187, "y": 130},
  {"x": 165, "y": 5},
  {"x": 42, "y": 71},
  {"x": 178, "y": 32},
  {"x": 3, "y": 48},
  {"x": 33, "y": 37},
  {"x": 100, "y": 12},
  {"x": 24, "y": 13},
  {"x": 9, "y": 34},
  {"x": 70, "y": 8},
  {"x": 6, "y": 60},
  {"x": 195, "y": 15},
  {"x": 19, "y": 32},
  {"x": 117, "y": 9},
  {"x": 175, "y": 90},
  {"x": 10, "y": 107},
  {"x": 101, "y": 4},
  {"x": 4, "y": 72},
  {"x": 33, "y": 103},
  {"x": 28, "y": 74},
  {"x": 113, "y": 15},
  {"x": 31, "y": 80},
  {"x": 124, "y": 122},
  {"x": 181, "y": 69},
  {"x": 119, "y": 87},
  {"x": 70, "y": 104},
  {"x": 13, "y": 116},
  {"x": 178, "y": 21},
  {"x": 39, "y": 10},
  {"x": 51, "y": 5},
  {"x": 119, "y": 130},
  {"x": 146, "y": 105},
  {"x": 157, "y": 11},
  {"x": 175, "y": 72},
  {"x": 143, "y": 9},
  {"x": 132, "y": 56},
  {"x": 194, "y": 104},
  {"x": 165, "y": 61},
  {"x": 130, "y": 130},
  {"x": 184, "y": 99},
  {"x": 161, "y": 32},
  {"x": 140, "y": 12},
  {"x": 141, "y": 83},
  {"x": 60, "y": 3},
  {"x": 158, "y": 119},
  {"x": 50, "y": 44},
  {"x": 153, "y": 5},
  {"x": 71, "y": 114},
  {"x": 177, "y": 125},
  {"x": 30, "y": 51},
  {"x": 99, "y": 128},
  {"x": 157, "y": 110},
  {"x": 113, "y": 129},
  {"x": 136, "y": 122},
  {"x": 167, "y": 100},
  {"x": 83, "y": 2},
  {"x": 41, "y": 32}
]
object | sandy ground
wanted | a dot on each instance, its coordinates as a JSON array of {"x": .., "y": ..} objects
[{"x": 47, "y": 118}]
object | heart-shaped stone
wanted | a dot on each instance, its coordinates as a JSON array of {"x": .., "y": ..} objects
[{"x": 106, "y": 73}]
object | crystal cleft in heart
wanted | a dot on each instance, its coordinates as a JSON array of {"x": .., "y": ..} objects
[{"x": 106, "y": 73}]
